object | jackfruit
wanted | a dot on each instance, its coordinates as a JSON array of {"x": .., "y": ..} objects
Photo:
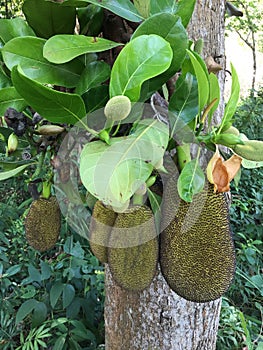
[
  {"x": 197, "y": 255},
  {"x": 118, "y": 108},
  {"x": 42, "y": 223},
  {"x": 101, "y": 224},
  {"x": 133, "y": 249}
]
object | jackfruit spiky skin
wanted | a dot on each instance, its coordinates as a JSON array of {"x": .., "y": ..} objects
[
  {"x": 197, "y": 255},
  {"x": 133, "y": 250},
  {"x": 42, "y": 223},
  {"x": 101, "y": 224}
]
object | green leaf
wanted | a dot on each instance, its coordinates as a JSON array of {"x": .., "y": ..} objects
[
  {"x": 25, "y": 309},
  {"x": 250, "y": 164},
  {"x": 168, "y": 6},
  {"x": 233, "y": 99},
  {"x": 143, "y": 7},
  {"x": 13, "y": 270},
  {"x": 58, "y": 107},
  {"x": 63, "y": 48},
  {"x": 96, "y": 98},
  {"x": 183, "y": 105},
  {"x": 93, "y": 75},
  {"x": 5, "y": 81},
  {"x": 60, "y": 342},
  {"x": 111, "y": 173},
  {"x": 68, "y": 295},
  {"x": 12, "y": 28},
  {"x": 28, "y": 53},
  {"x": 191, "y": 181},
  {"x": 131, "y": 69},
  {"x": 155, "y": 201},
  {"x": 90, "y": 20},
  {"x": 34, "y": 274},
  {"x": 10, "y": 98},
  {"x": 122, "y": 8},
  {"x": 170, "y": 28},
  {"x": 39, "y": 315},
  {"x": 182, "y": 8},
  {"x": 49, "y": 18},
  {"x": 11, "y": 173},
  {"x": 185, "y": 10},
  {"x": 55, "y": 292},
  {"x": 214, "y": 93},
  {"x": 202, "y": 80}
]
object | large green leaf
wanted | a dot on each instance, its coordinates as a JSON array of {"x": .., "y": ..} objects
[
  {"x": 191, "y": 180},
  {"x": 185, "y": 10},
  {"x": 122, "y": 8},
  {"x": 49, "y": 18},
  {"x": 183, "y": 105},
  {"x": 233, "y": 99},
  {"x": 202, "y": 80},
  {"x": 28, "y": 53},
  {"x": 58, "y": 107},
  {"x": 90, "y": 20},
  {"x": 12, "y": 28},
  {"x": 9, "y": 97},
  {"x": 141, "y": 59},
  {"x": 182, "y": 8},
  {"x": 93, "y": 75},
  {"x": 111, "y": 173},
  {"x": 63, "y": 48},
  {"x": 162, "y": 6},
  {"x": 171, "y": 29},
  {"x": 25, "y": 309},
  {"x": 143, "y": 7}
]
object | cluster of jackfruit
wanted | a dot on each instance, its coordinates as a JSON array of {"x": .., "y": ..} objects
[
  {"x": 197, "y": 254},
  {"x": 42, "y": 223},
  {"x": 128, "y": 242}
]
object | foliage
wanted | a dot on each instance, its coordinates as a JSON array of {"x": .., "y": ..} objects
[
  {"x": 242, "y": 313},
  {"x": 52, "y": 299},
  {"x": 10, "y": 8}
]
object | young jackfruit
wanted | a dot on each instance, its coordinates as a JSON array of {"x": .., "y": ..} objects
[
  {"x": 133, "y": 249},
  {"x": 42, "y": 223},
  {"x": 197, "y": 253},
  {"x": 101, "y": 224}
]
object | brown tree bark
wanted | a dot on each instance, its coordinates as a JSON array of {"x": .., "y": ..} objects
[{"x": 157, "y": 318}]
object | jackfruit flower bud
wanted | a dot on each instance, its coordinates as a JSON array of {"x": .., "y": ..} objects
[
  {"x": 118, "y": 108},
  {"x": 12, "y": 143}
]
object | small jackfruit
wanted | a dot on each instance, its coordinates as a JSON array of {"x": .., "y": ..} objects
[
  {"x": 197, "y": 255},
  {"x": 42, "y": 223},
  {"x": 101, "y": 224},
  {"x": 118, "y": 108},
  {"x": 133, "y": 249}
]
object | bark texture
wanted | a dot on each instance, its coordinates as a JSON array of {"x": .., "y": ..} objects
[{"x": 157, "y": 318}]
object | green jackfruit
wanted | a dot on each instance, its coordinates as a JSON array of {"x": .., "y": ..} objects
[
  {"x": 42, "y": 223},
  {"x": 197, "y": 255},
  {"x": 101, "y": 224},
  {"x": 133, "y": 249}
]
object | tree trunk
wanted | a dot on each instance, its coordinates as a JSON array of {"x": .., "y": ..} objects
[{"x": 157, "y": 318}]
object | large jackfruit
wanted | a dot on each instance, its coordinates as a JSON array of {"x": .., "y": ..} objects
[
  {"x": 42, "y": 223},
  {"x": 101, "y": 224},
  {"x": 197, "y": 253},
  {"x": 133, "y": 249}
]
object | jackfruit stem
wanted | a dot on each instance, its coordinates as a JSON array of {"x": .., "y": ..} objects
[
  {"x": 183, "y": 155},
  {"x": 46, "y": 191},
  {"x": 137, "y": 199}
]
